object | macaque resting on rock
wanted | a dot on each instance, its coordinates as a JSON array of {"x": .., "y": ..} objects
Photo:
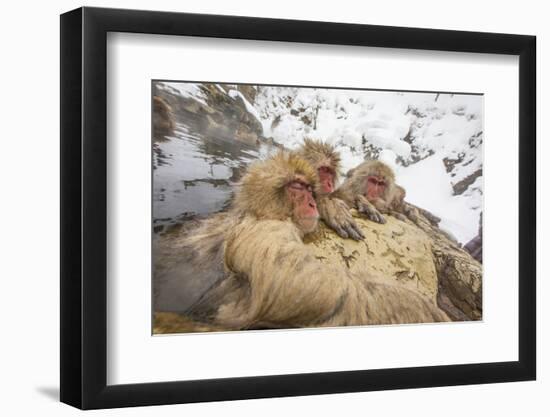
[
  {"x": 270, "y": 278},
  {"x": 163, "y": 118},
  {"x": 371, "y": 189}
]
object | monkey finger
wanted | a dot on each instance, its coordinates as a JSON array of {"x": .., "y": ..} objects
[
  {"x": 341, "y": 232},
  {"x": 345, "y": 221},
  {"x": 363, "y": 210},
  {"x": 372, "y": 214},
  {"x": 355, "y": 233},
  {"x": 401, "y": 217},
  {"x": 358, "y": 232},
  {"x": 375, "y": 216}
]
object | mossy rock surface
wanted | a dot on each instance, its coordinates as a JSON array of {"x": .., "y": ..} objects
[
  {"x": 396, "y": 252},
  {"x": 419, "y": 256}
]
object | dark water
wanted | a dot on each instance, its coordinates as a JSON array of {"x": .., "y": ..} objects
[{"x": 194, "y": 173}]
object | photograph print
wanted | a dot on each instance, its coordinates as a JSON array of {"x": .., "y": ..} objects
[{"x": 282, "y": 207}]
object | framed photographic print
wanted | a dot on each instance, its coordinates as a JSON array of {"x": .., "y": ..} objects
[{"x": 257, "y": 208}]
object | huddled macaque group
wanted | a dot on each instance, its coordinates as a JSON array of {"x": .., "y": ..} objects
[{"x": 248, "y": 267}]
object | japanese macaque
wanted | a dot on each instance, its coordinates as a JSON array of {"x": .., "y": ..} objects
[
  {"x": 270, "y": 278},
  {"x": 163, "y": 118},
  {"x": 398, "y": 207},
  {"x": 371, "y": 189},
  {"x": 325, "y": 160}
]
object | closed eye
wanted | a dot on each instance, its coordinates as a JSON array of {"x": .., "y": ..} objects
[
  {"x": 300, "y": 186},
  {"x": 377, "y": 182}
]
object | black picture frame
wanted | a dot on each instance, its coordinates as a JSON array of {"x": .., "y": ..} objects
[{"x": 84, "y": 207}]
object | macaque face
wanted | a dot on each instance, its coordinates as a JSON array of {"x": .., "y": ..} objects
[
  {"x": 375, "y": 188},
  {"x": 304, "y": 208},
  {"x": 326, "y": 178}
]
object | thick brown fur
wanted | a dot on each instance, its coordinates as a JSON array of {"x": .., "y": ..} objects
[
  {"x": 201, "y": 263},
  {"x": 391, "y": 202},
  {"x": 163, "y": 118},
  {"x": 273, "y": 280},
  {"x": 333, "y": 211},
  {"x": 398, "y": 207},
  {"x": 320, "y": 154},
  {"x": 262, "y": 190},
  {"x": 179, "y": 283}
]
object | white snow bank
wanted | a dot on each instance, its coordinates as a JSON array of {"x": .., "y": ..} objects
[{"x": 427, "y": 184}]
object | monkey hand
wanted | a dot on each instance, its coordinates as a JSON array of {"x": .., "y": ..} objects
[
  {"x": 336, "y": 214},
  {"x": 400, "y": 216},
  {"x": 365, "y": 207},
  {"x": 413, "y": 217},
  {"x": 413, "y": 214}
]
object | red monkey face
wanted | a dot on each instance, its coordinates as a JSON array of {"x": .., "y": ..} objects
[
  {"x": 304, "y": 208},
  {"x": 375, "y": 188},
  {"x": 326, "y": 178}
]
